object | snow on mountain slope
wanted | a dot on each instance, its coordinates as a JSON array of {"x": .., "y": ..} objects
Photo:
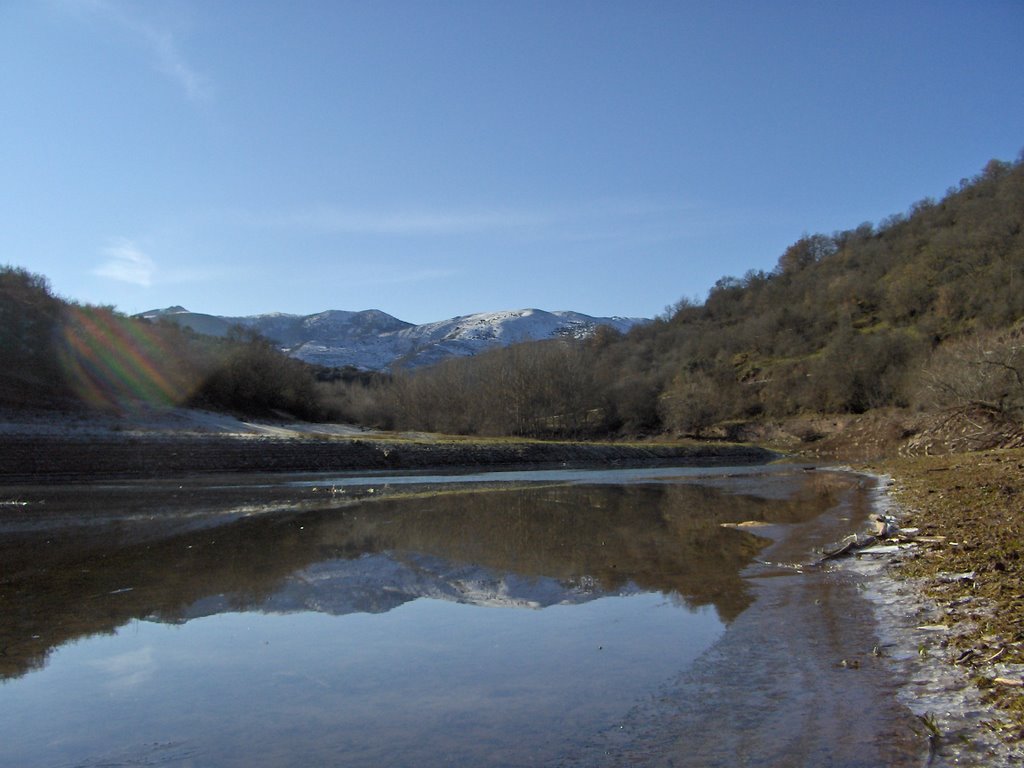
[
  {"x": 200, "y": 323},
  {"x": 374, "y": 340},
  {"x": 469, "y": 334}
]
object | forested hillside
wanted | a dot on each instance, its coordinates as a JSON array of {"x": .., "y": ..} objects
[{"x": 922, "y": 310}]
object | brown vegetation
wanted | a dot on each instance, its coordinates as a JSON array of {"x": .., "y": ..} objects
[
  {"x": 921, "y": 312},
  {"x": 971, "y": 507}
]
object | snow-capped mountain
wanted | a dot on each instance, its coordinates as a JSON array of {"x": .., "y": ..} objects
[{"x": 374, "y": 340}]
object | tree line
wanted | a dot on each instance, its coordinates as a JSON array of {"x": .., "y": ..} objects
[{"x": 923, "y": 310}]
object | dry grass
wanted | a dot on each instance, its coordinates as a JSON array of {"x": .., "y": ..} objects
[{"x": 972, "y": 505}]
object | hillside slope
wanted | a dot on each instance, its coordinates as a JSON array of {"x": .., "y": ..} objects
[{"x": 923, "y": 310}]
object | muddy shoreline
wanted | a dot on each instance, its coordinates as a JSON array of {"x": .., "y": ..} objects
[
  {"x": 796, "y": 675},
  {"x": 855, "y": 654},
  {"x": 57, "y": 458}
]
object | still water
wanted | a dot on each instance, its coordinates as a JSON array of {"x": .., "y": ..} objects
[{"x": 498, "y": 619}]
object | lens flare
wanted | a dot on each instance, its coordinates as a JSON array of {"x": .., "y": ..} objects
[{"x": 118, "y": 363}]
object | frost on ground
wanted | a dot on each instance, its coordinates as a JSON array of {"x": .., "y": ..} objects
[
  {"x": 154, "y": 422},
  {"x": 964, "y": 729}
]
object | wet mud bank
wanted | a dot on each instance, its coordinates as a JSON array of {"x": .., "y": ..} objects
[
  {"x": 28, "y": 458},
  {"x": 837, "y": 662},
  {"x": 803, "y": 677}
]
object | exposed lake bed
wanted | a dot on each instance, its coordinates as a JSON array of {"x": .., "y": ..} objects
[{"x": 567, "y": 617}]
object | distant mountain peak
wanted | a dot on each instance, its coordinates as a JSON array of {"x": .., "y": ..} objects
[
  {"x": 374, "y": 340},
  {"x": 177, "y": 309}
]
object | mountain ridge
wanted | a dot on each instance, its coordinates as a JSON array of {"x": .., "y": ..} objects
[{"x": 374, "y": 340}]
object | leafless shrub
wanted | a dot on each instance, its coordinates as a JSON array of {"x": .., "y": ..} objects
[{"x": 983, "y": 371}]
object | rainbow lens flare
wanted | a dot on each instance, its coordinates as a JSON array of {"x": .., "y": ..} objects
[{"x": 119, "y": 363}]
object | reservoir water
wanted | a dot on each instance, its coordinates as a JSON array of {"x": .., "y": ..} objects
[{"x": 501, "y": 619}]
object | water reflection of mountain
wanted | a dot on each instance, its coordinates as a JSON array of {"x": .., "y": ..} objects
[
  {"x": 533, "y": 546},
  {"x": 380, "y": 582}
]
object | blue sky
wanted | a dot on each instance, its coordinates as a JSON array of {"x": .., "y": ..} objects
[{"x": 440, "y": 158}]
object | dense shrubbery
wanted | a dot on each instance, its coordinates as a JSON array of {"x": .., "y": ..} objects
[
  {"x": 29, "y": 315},
  {"x": 248, "y": 374}
]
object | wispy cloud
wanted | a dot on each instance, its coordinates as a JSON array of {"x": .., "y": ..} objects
[
  {"x": 397, "y": 276},
  {"x": 160, "y": 43},
  {"x": 127, "y": 671},
  {"x": 412, "y": 222},
  {"x": 596, "y": 219},
  {"x": 625, "y": 224},
  {"x": 126, "y": 263},
  {"x": 171, "y": 62}
]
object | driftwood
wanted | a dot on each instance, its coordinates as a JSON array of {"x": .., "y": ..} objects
[
  {"x": 880, "y": 528},
  {"x": 1015, "y": 682},
  {"x": 848, "y": 546},
  {"x": 746, "y": 524}
]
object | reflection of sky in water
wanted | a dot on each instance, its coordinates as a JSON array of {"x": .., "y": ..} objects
[
  {"x": 489, "y": 626},
  {"x": 430, "y": 678},
  {"x": 123, "y": 672}
]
